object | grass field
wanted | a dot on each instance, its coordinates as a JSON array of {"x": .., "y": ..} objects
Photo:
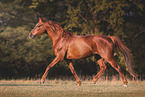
[{"x": 59, "y": 88}]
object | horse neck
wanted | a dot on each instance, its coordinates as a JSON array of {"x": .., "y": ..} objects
[{"x": 53, "y": 36}]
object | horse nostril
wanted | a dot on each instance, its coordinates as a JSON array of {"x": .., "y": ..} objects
[{"x": 31, "y": 36}]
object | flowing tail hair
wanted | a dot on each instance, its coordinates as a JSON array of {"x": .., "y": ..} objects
[{"x": 126, "y": 54}]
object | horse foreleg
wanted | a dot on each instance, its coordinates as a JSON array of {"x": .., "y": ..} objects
[
  {"x": 74, "y": 72},
  {"x": 47, "y": 69},
  {"x": 102, "y": 69}
]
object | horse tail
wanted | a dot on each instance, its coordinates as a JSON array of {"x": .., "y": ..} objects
[{"x": 126, "y": 54}]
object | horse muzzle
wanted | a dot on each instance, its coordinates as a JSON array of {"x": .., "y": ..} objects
[{"x": 31, "y": 36}]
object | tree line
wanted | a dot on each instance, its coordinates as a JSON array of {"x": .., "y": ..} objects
[{"x": 21, "y": 57}]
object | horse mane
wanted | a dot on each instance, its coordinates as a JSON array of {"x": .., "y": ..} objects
[{"x": 55, "y": 27}]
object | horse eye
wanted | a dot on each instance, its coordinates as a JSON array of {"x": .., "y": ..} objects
[{"x": 39, "y": 25}]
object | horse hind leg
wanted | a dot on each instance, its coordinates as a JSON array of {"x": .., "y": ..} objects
[
  {"x": 102, "y": 69},
  {"x": 118, "y": 69}
]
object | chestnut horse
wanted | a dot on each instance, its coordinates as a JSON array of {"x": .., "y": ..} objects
[{"x": 67, "y": 46}]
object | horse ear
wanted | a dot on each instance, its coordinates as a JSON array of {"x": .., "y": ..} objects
[{"x": 42, "y": 19}]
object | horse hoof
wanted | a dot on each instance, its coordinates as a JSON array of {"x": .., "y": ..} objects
[
  {"x": 92, "y": 84},
  {"x": 42, "y": 81},
  {"x": 79, "y": 83},
  {"x": 125, "y": 85}
]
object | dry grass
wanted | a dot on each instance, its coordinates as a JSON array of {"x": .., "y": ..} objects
[{"x": 60, "y": 88}]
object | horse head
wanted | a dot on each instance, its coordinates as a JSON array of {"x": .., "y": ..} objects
[{"x": 38, "y": 29}]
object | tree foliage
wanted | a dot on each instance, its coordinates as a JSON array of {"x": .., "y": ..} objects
[{"x": 99, "y": 16}]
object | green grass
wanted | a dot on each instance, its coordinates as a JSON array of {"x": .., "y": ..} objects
[{"x": 59, "y": 88}]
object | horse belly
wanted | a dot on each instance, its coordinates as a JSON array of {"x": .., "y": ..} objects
[{"x": 79, "y": 50}]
